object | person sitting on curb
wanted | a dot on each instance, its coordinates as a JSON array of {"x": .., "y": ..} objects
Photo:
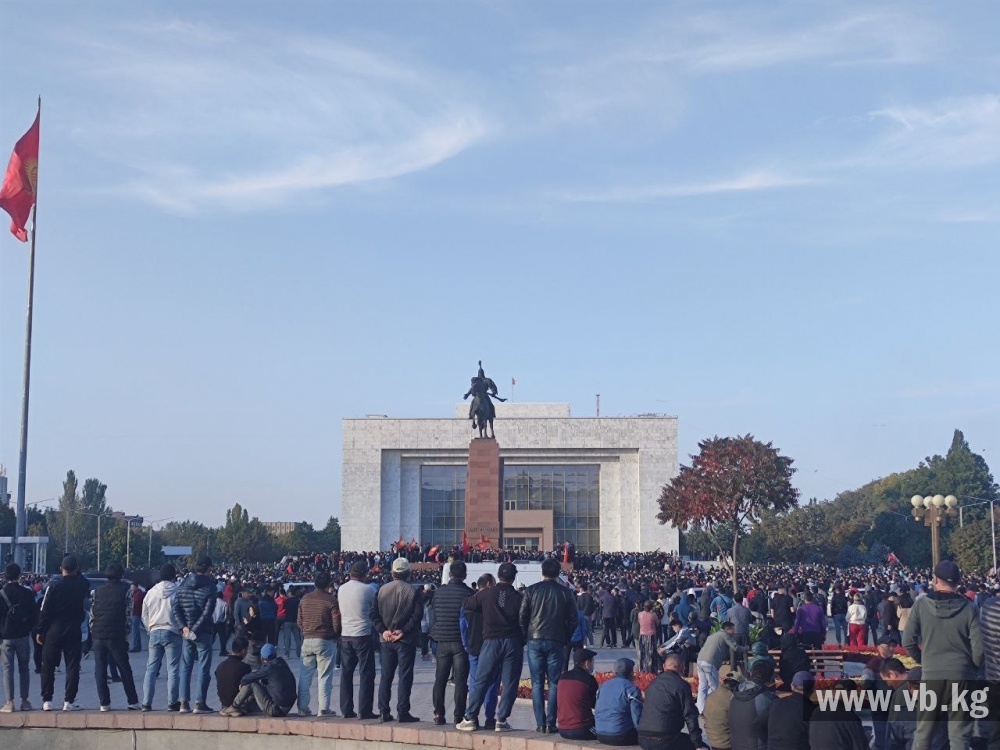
[
  {"x": 231, "y": 672},
  {"x": 619, "y": 707},
  {"x": 270, "y": 689}
]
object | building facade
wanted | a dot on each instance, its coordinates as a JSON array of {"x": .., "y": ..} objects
[{"x": 593, "y": 482}]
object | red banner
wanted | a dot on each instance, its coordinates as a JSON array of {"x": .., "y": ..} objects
[{"x": 21, "y": 181}]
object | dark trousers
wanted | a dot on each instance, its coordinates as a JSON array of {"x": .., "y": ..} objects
[
  {"x": 665, "y": 742},
  {"x": 610, "y": 637},
  {"x": 254, "y": 697},
  {"x": 812, "y": 639},
  {"x": 450, "y": 654},
  {"x": 392, "y": 655},
  {"x": 619, "y": 740},
  {"x": 626, "y": 630},
  {"x": 269, "y": 632},
  {"x": 222, "y": 632},
  {"x": 357, "y": 652},
  {"x": 118, "y": 651},
  {"x": 578, "y": 734},
  {"x": 61, "y": 640}
]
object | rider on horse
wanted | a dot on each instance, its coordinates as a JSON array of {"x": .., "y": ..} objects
[{"x": 482, "y": 389}]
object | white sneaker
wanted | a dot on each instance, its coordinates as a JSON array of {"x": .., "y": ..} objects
[
  {"x": 47, "y": 706},
  {"x": 67, "y": 706},
  {"x": 7, "y": 707},
  {"x": 502, "y": 726},
  {"x": 104, "y": 709},
  {"x": 467, "y": 725}
]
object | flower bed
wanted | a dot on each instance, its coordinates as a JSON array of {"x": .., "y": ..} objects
[
  {"x": 864, "y": 654},
  {"x": 641, "y": 680}
]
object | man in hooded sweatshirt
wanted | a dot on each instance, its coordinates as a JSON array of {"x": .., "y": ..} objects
[
  {"x": 750, "y": 708},
  {"x": 164, "y": 641},
  {"x": 788, "y": 719},
  {"x": 191, "y": 611},
  {"x": 942, "y": 634}
]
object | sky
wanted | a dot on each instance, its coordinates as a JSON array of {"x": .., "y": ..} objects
[{"x": 256, "y": 219}]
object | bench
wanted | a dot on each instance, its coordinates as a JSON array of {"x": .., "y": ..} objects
[{"x": 825, "y": 663}]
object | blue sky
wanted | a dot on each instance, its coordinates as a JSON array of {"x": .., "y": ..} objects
[{"x": 256, "y": 219}]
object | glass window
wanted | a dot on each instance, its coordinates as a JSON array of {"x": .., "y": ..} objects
[
  {"x": 570, "y": 491},
  {"x": 442, "y": 504}
]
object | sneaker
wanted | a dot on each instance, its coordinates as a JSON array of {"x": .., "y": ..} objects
[
  {"x": 230, "y": 711},
  {"x": 105, "y": 709},
  {"x": 327, "y": 712},
  {"x": 47, "y": 706},
  {"x": 467, "y": 725},
  {"x": 174, "y": 707},
  {"x": 408, "y": 719},
  {"x": 67, "y": 706},
  {"x": 137, "y": 707},
  {"x": 26, "y": 705},
  {"x": 146, "y": 709},
  {"x": 7, "y": 708},
  {"x": 502, "y": 726},
  {"x": 367, "y": 717},
  {"x": 185, "y": 707},
  {"x": 305, "y": 712},
  {"x": 386, "y": 718},
  {"x": 201, "y": 708},
  {"x": 490, "y": 724},
  {"x": 350, "y": 715}
]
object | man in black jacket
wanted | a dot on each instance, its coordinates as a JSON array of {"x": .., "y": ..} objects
[
  {"x": 668, "y": 708},
  {"x": 110, "y": 618},
  {"x": 989, "y": 625},
  {"x": 191, "y": 612},
  {"x": 59, "y": 632},
  {"x": 18, "y": 617},
  {"x": 548, "y": 619},
  {"x": 750, "y": 707},
  {"x": 788, "y": 719},
  {"x": 271, "y": 689},
  {"x": 448, "y": 601}
]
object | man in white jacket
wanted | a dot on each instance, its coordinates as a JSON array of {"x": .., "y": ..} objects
[{"x": 163, "y": 640}]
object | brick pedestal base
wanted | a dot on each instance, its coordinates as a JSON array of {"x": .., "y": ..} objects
[{"x": 483, "y": 493}]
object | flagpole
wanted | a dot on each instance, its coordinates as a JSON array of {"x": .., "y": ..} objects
[{"x": 22, "y": 467}]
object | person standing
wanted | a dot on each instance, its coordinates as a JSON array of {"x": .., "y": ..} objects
[
  {"x": 289, "y": 633},
  {"x": 319, "y": 621},
  {"x": 857, "y": 616},
  {"x": 740, "y": 616},
  {"x": 471, "y": 625},
  {"x": 164, "y": 641},
  {"x": 943, "y": 636},
  {"x": 716, "y": 650},
  {"x": 782, "y": 609},
  {"x": 397, "y": 613},
  {"x": 609, "y": 614},
  {"x": 18, "y": 617},
  {"x": 135, "y": 631},
  {"x": 451, "y": 654},
  {"x": 989, "y": 624},
  {"x": 668, "y": 710},
  {"x": 191, "y": 611},
  {"x": 502, "y": 653},
  {"x": 356, "y": 598},
  {"x": 59, "y": 627},
  {"x": 110, "y": 620},
  {"x": 810, "y": 623},
  {"x": 838, "y": 610},
  {"x": 548, "y": 619}
]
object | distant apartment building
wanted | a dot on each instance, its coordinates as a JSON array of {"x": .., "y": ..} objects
[{"x": 279, "y": 528}]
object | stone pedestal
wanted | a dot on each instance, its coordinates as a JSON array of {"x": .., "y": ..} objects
[{"x": 483, "y": 493}]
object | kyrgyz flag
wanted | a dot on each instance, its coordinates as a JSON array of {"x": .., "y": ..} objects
[{"x": 20, "y": 182}]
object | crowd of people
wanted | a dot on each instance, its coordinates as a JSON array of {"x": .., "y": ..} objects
[{"x": 342, "y": 611}]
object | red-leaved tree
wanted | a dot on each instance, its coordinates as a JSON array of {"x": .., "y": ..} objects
[{"x": 730, "y": 483}]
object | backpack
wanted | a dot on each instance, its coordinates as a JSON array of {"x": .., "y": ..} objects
[{"x": 19, "y": 618}]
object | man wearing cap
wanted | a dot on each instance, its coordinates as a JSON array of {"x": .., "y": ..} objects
[
  {"x": 319, "y": 620},
  {"x": 502, "y": 651},
  {"x": 548, "y": 619},
  {"x": 451, "y": 654},
  {"x": 577, "y": 697},
  {"x": 618, "y": 708},
  {"x": 788, "y": 719},
  {"x": 397, "y": 613},
  {"x": 269, "y": 689},
  {"x": 191, "y": 612},
  {"x": 942, "y": 634},
  {"x": 356, "y": 648},
  {"x": 164, "y": 641},
  {"x": 903, "y": 719},
  {"x": 59, "y": 625}
]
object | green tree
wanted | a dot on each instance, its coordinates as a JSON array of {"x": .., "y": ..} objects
[
  {"x": 303, "y": 538},
  {"x": 191, "y": 534},
  {"x": 8, "y": 519},
  {"x": 328, "y": 540},
  {"x": 244, "y": 538},
  {"x": 972, "y": 544}
]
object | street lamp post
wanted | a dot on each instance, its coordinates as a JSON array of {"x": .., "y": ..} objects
[{"x": 934, "y": 511}]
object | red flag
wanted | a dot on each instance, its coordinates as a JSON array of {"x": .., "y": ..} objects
[
  {"x": 465, "y": 543},
  {"x": 20, "y": 182},
  {"x": 565, "y": 552},
  {"x": 892, "y": 558}
]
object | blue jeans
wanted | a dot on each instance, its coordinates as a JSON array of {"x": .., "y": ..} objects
[
  {"x": 203, "y": 646},
  {"x": 135, "y": 635},
  {"x": 290, "y": 640},
  {"x": 492, "y": 691},
  {"x": 708, "y": 683},
  {"x": 545, "y": 660},
  {"x": 316, "y": 653},
  {"x": 503, "y": 658},
  {"x": 19, "y": 649},
  {"x": 840, "y": 629},
  {"x": 162, "y": 642}
]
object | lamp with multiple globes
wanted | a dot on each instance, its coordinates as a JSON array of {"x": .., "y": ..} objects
[{"x": 934, "y": 511}]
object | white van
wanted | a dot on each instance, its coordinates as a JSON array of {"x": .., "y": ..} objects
[{"x": 528, "y": 572}]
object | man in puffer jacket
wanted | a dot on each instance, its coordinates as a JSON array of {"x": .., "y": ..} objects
[
  {"x": 989, "y": 623},
  {"x": 942, "y": 634},
  {"x": 191, "y": 613},
  {"x": 750, "y": 709},
  {"x": 110, "y": 619}
]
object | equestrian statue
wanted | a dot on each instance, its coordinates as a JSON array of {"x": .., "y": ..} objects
[{"x": 481, "y": 410}]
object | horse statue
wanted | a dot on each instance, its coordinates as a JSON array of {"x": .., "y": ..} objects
[{"x": 482, "y": 412}]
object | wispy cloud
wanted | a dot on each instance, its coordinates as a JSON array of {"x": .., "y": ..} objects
[
  {"x": 209, "y": 120},
  {"x": 949, "y": 390},
  {"x": 749, "y": 182}
]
